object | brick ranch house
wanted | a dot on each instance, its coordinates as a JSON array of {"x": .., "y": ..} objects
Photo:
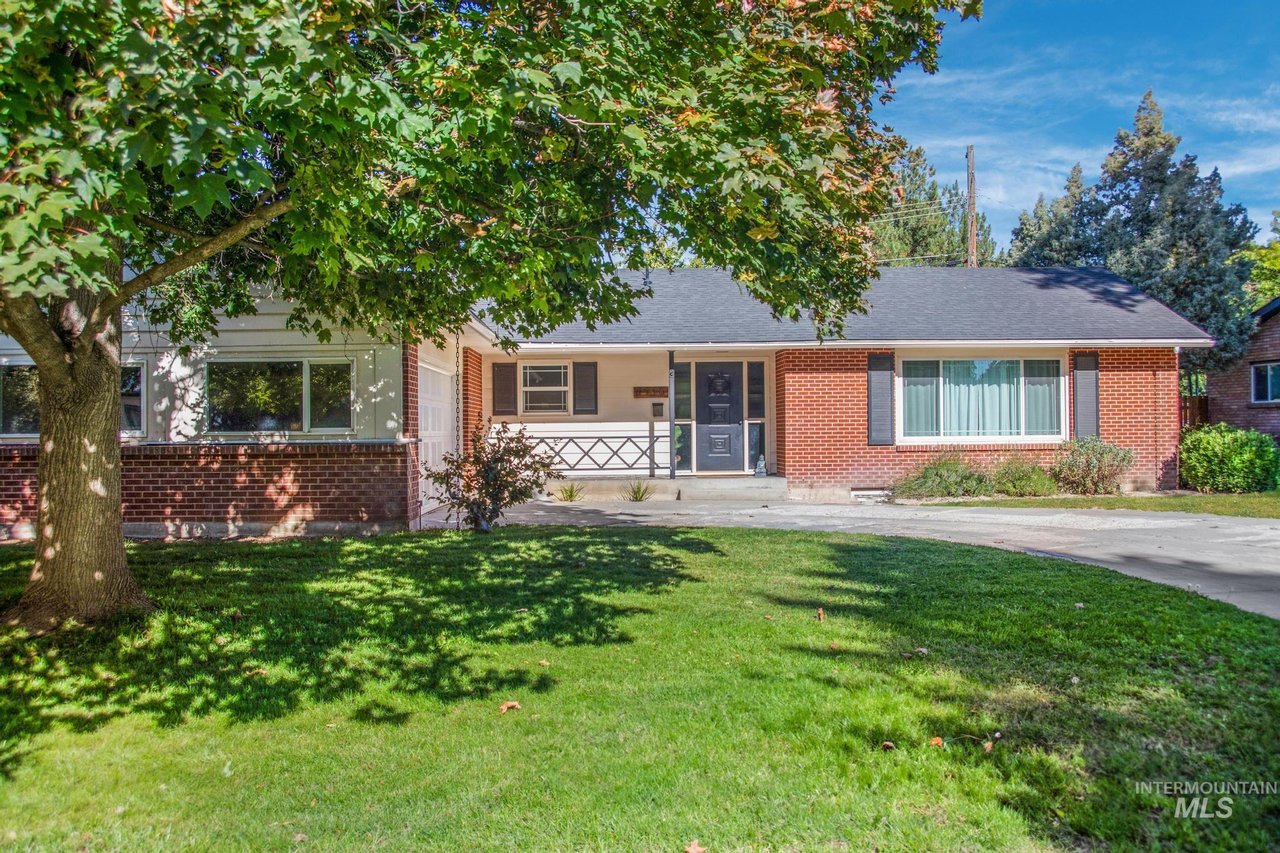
[
  {"x": 264, "y": 429},
  {"x": 1248, "y": 394}
]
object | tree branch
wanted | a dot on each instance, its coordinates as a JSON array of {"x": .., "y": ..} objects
[
  {"x": 164, "y": 227},
  {"x": 207, "y": 248},
  {"x": 22, "y": 319}
]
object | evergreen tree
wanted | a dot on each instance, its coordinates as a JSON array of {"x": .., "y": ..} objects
[
  {"x": 928, "y": 222},
  {"x": 1153, "y": 219},
  {"x": 1054, "y": 234}
]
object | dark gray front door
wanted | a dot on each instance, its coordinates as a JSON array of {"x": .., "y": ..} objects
[{"x": 718, "y": 393}]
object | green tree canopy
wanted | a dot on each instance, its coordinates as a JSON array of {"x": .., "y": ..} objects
[
  {"x": 1263, "y": 261},
  {"x": 926, "y": 223},
  {"x": 388, "y": 166},
  {"x": 1153, "y": 219}
]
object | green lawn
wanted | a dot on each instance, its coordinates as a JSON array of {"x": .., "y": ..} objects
[
  {"x": 673, "y": 684},
  {"x": 1264, "y": 505}
]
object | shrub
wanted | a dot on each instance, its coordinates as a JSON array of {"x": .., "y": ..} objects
[
  {"x": 636, "y": 491},
  {"x": 944, "y": 477},
  {"x": 1021, "y": 477},
  {"x": 1222, "y": 458},
  {"x": 1090, "y": 466},
  {"x": 569, "y": 493},
  {"x": 497, "y": 471}
]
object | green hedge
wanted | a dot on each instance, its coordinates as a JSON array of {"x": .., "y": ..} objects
[
  {"x": 1223, "y": 458},
  {"x": 1090, "y": 466}
]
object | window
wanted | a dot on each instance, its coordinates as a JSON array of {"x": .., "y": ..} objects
[
  {"x": 1266, "y": 383},
  {"x": 545, "y": 387},
  {"x": 981, "y": 398},
  {"x": 279, "y": 396},
  {"x": 20, "y": 400},
  {"x": 683, "y": 444}
]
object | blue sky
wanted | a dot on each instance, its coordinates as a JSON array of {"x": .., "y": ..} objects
[{"x": 1037, "y": 85}]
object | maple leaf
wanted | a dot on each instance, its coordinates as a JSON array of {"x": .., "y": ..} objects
[
  {"x": 508, "y": 706},
  {"x": 937, "y": 741}
]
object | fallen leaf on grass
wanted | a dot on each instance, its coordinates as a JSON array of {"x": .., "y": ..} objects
[
  {"x": 544, "y": 662},
  {"x": 300, "y": 837},
  {"x": 987, "y": 746},
  {"x": 937, "y": 741},
  {"x": 508, "y": 706},
  {"x": 770, "y": 618},
  {"x": 822, "y": 617},
  {"x": 887, "y": 745},
  {"x": 835, "y": 647},
  {"x": 1079, "y": 605},
  {"x": 695, "y": 847}
]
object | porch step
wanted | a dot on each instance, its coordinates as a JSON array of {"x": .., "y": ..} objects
[{"x": 745, "y": 488}]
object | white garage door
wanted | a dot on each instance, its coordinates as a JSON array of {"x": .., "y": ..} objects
[{"x": 435, "y": 417}]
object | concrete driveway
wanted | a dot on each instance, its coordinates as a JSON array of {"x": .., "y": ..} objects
[{"x": 1236, "y": 560}]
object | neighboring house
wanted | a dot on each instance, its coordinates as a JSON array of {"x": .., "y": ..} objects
[
  {"x": 1248, "y": 394},
  {"x": 266, "y": 430}
]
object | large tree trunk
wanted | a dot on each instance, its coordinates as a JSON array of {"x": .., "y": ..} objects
[{"x": 80, "y": 569}]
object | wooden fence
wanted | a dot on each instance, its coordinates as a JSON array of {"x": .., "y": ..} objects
[{"x": 1194, "y": 410}]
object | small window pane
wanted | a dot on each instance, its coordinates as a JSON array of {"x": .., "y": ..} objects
[
  {"x": 1044, "y": 396},
  {"x": 1259, "y": 383},
  {"x": 1274, "y": 394},
  {"x": 920, "y": 382},
  {"x": 546, "y": 376},
  {"x": 684, "y": 455},
  {"x": 255, "y": 396},
  {"x": 755, "y": 444},
  {"x": 20, "y": 403},
  {"x": 131, "y": 398},
  {"x": 684, "y": 392},
  {"x": 981, "y": 397},
  {"x": 755, "y": 389},
  {"x": 331, "y": 396},
  {"x": 545, "y": 401}
]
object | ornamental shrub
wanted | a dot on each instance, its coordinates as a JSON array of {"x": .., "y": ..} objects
[
  {"x": 945, "y": 476},
  {"x": 1020, "y": 477},
  {"x": 497, "y": 471},
  {"x": 1223, "y": 458},
  {"x": 1090, "y": 466}
]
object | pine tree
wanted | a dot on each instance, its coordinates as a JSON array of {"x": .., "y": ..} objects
[
  {"x": 928, "y": 222},
  {"x": 1155, "y": 220},
  {"x": 1054, "y": 234}
]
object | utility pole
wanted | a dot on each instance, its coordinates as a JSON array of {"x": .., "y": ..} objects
[{"x": 971, "y": 257}]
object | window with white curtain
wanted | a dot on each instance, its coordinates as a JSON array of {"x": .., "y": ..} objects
[{"x": 981, "y": 398}]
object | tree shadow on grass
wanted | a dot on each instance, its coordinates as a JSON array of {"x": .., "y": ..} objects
[
  {"x": 254, "y": 629},
  {"x": 1142, "y": 683}
]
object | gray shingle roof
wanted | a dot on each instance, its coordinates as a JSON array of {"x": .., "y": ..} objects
[{"x": 706, "y": 306}]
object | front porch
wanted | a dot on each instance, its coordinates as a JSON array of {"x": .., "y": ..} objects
[{"x": 661, "y": 414}]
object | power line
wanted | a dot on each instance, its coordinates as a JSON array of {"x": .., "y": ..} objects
[{"x": 920, "y": 257}]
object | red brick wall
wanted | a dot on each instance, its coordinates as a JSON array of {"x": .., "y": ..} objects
[
  {"x": 821, "y": 399},
  {"x": 276, "y": 485},
  {"x": 1231, "y": 392},
  {"x": 410, "y": 428},
  {"x": 472, "y": 391}
]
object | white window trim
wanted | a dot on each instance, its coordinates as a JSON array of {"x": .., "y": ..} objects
[
  {"x": 567, "y": 388},
  {"x": 306, "y": 397},
  {"x": 143, "y": 389},
  {"x": 124, "y": 433},
  {"x": 982, "y": 440},
  {"x": 1253, "y": 382}
]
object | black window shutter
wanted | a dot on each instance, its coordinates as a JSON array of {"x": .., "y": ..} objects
[
  {"x": 879, "y": 400},
  {"x": 584, "y": 388},
  {"x": 1084, "y": 383},
  {"x": 504, "y": 389}
]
